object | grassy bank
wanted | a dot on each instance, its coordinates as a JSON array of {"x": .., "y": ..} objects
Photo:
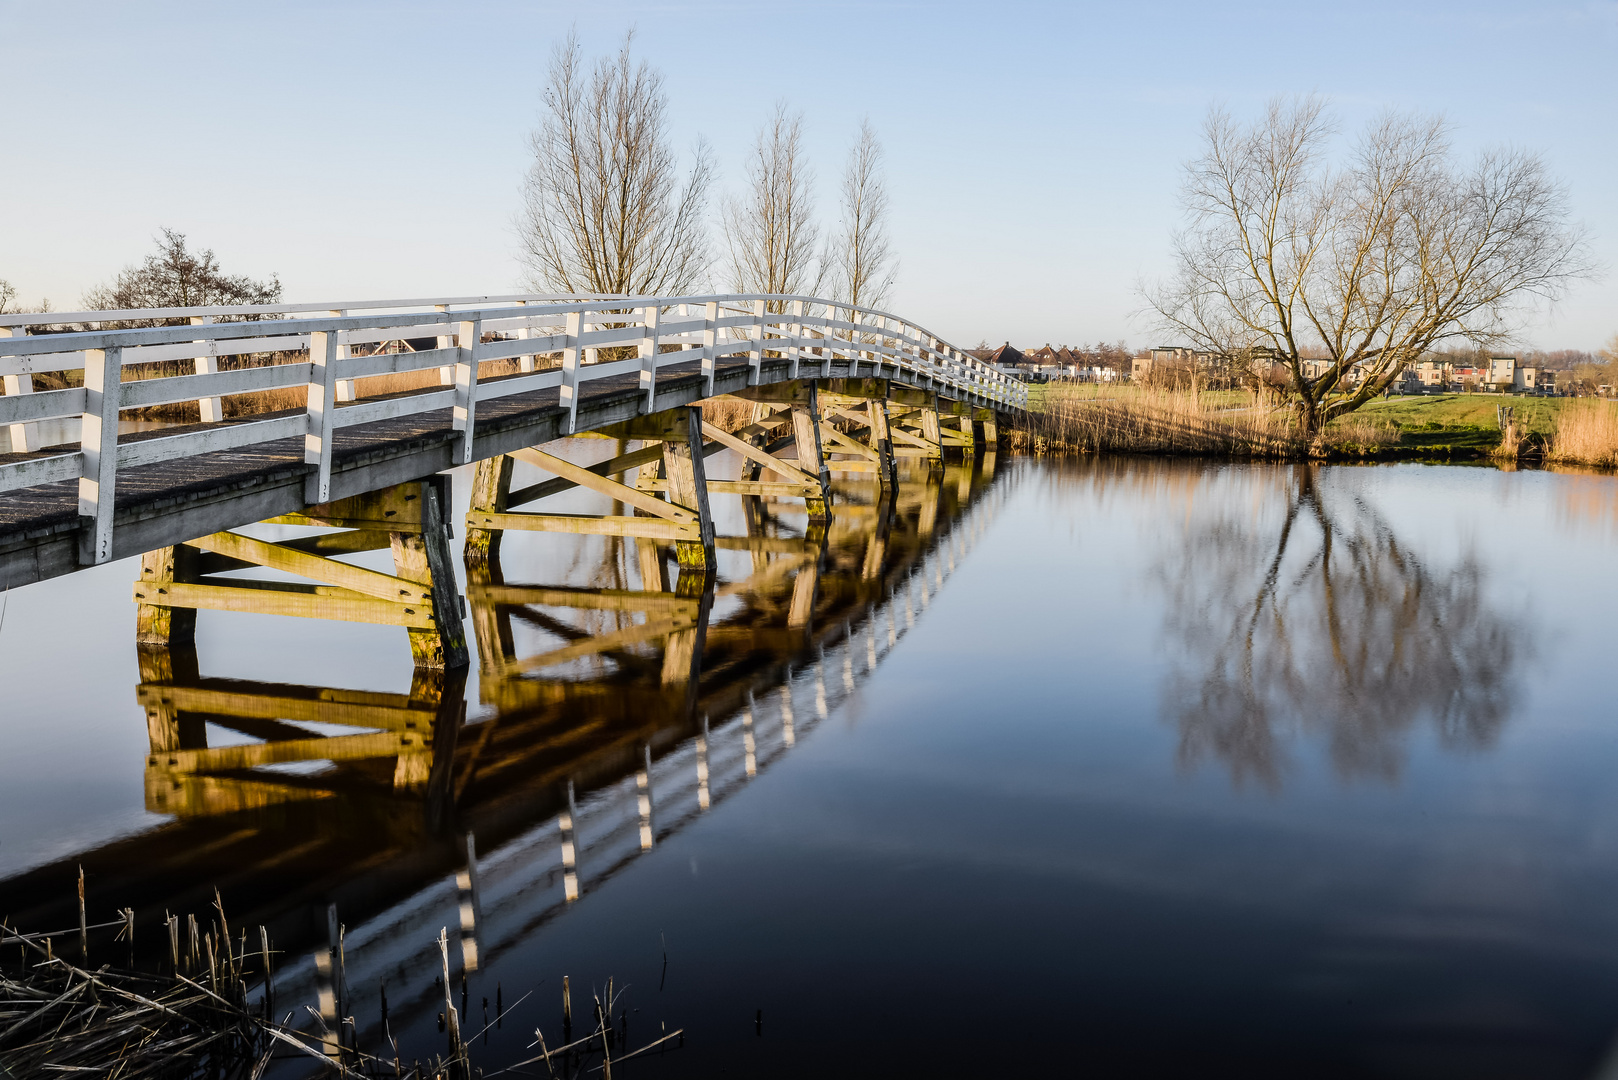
[{"x": 1068, "y": 418}]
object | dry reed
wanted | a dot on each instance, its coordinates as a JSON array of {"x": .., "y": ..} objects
[
  {"x": 1586, "y": 434},
  {"x": 1166, "y": 420}
]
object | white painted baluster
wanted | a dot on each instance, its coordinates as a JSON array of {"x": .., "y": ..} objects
[
  {"x": 525, "y": 362},
  {"x": 208, "y": 363},
  {"x": 466, "y": 386},
  {"x": 24, "y": 437},
  {"x": 570, "y": 369},
  {"x": 446, "y": 374},
  {"x": 710, "y": 345},
  {"x": 649, "y": 340},
  {"x": 826, "y": 342},
  {"x": 755, "y": 356},
  {"x": 317, "y": 442},
  {"x": 795, "y": 339},
  {"x": 98, "y": 452}
]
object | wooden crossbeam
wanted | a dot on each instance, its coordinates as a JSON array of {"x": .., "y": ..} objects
[
  {"x": 767, "y": 488},
  {"x": 251, "y": 755},
  {"x": 284, "y": 598},
  {"x": 586, "y": 524},
  {"x": 351, "y": 708},
  {"x": 633, "y": 460},
  {"x": 652, "y": 630},
  {"x": 583, "y": 598},
  {"x": 331, "y": 571},
  {"x": 582, "y": 476},
  {"x": 753, "y": 453},
  {"x": 842, "y": 444}
]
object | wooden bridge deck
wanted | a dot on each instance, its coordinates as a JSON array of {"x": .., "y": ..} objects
[{"x": 175, "y": 501}]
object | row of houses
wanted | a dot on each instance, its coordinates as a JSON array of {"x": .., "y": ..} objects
[{"x": 1501, "y": 374}]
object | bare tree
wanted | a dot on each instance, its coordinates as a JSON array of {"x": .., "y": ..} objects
[
  {"x": 862, "y": 255},
  {"x": 8, "y": 296},
  {"x": 1374, "y": 263},
  {"x": 605, "y": 210},
  {"x": 770, "y": 231},
  {"x": 175, "y": 276}
]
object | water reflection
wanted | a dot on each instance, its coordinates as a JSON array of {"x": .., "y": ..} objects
[
  {"x": 1300, "y": 613},
  {"x": 354, "y": 823}
]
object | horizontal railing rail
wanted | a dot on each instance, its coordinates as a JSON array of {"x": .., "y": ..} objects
[{"x": 556, "y": 342}]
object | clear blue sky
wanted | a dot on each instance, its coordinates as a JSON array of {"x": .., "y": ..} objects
[{"x": 370, "y": 149}]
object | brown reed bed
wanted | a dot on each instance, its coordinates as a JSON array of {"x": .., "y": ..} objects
[
  {"x": 198, "y": 1020},
  {"x": 1185, "y": 421},
  {"x": 1586, "y": 434}
]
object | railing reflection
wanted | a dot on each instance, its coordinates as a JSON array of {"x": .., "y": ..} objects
[{"x": 388, "y": 814}]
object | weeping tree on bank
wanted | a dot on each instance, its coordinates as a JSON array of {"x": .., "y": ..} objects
[
  {"x": 1367, "y": 264},
  {"x": 605, "y": 207}
]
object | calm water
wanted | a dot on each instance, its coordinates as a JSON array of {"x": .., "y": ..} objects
[{"x": 1121, "y": 767}]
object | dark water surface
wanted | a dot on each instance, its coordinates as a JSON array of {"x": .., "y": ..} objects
[{"x": 1109, "y": 767}]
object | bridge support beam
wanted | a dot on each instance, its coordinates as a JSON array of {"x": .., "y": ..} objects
[
  {"x": 675, "y": 443},
  {"x": 420, "y": 595},
  {"x": 187, "y": 778},
  {"x": 987, "y": 430}
]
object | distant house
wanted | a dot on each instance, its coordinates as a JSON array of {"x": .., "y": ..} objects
[{"x": 1169, "y": 359}]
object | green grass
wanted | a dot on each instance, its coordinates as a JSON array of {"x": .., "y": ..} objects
[{"x": 1463, "y": 412}]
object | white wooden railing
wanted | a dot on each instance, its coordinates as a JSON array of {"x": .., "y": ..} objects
[{"x": 556, "y": 341}]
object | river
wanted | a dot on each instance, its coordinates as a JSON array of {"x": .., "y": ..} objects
[{"x": 1124, "y": 766}]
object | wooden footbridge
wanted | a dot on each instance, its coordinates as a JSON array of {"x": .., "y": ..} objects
[{"x": 494, "y": 377}]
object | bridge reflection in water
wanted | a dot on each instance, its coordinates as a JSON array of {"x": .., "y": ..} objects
[{"x": 367, "y": 820}]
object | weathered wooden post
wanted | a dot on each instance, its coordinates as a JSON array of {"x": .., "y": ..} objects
[
  {"x": 930, "y": 431},
  {"x": 887, "y": 473},
  {"x": 425, "y": 558},
  {"x": 491, "y": 484},
  {"x": 688, "y": 487},
  {"x": 806, "y": 433},
  {"x": 158, "y": 624}
]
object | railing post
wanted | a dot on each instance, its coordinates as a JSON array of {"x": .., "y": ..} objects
[
  {"x": 208, "y": 407},
  {"x": 710, "y": 345},
  {"x": 525, "y": 362},
  {"x": 446, "y": 375},
  {"x": 795, "y": 339},
  {"x": 755, "y": 357},
  {"x": 466, "y": 385},
  {"x": 570, "y": 370},
  {"x": 98, "y": 452},
  {"x": 825, "y": 342},
  {"x": 322, "y": 409},
  {"x": 24, "y": 437},
  {"x": 345, "y": 387},
  {"x": 648, "y": 353}
]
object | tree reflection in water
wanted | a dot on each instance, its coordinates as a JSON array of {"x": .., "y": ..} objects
[{"x": 1318, "y": 622}]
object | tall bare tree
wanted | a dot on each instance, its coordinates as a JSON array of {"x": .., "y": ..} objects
[
  {"x": 605, "y": 208},
  {"x": 175, "y": 276},
  {"x": 770, "y": 230},
  {"x": 862, "y": 255},
  {"x": 1374, "y": 262}
]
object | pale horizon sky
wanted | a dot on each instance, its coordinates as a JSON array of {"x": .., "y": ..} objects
[{"x": 370, "y": 150}]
